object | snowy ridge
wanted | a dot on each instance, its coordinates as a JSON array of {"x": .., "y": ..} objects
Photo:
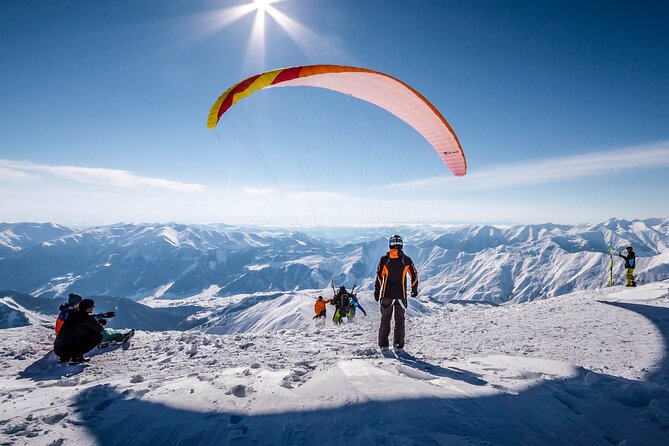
[
  {"x": 17, "y": 310},
  {"x": 483, "y": 263},
  {"x": 587, "y": 368},
  {"x": 12, "y": 314},
  {"x": 20, "y": 236}
]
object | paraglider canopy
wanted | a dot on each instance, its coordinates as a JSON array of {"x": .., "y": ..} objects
[{"x": 375, "y": 87}]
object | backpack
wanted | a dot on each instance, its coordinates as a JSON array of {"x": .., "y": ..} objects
[{"x": 344, "y": 301}]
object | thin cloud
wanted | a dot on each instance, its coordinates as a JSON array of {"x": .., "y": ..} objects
[
  {"x": 316, "y": 195},
  {"x": 13, "y": 175},
  {"x": 92, "y": 175},
  {"x": 257, "y": 191},
  {"x": 552, "y": 170}
]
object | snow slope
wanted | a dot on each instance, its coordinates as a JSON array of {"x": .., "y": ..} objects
[{"x": 588, "y": 368}]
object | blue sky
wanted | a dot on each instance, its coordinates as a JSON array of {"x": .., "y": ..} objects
[{"x": 562, "y": 109}]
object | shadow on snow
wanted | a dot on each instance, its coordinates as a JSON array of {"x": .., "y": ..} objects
[
  {"x": 48, "y": 368},
  {"x": 589, "y": 409}
]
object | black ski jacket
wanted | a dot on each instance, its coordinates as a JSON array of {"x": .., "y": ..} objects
[
  {"x": 77, "y": 329},
  {"x": 391, "y": 276},
  {"x": 337, "y": 299},
  {"x": 630, "y": 260}
]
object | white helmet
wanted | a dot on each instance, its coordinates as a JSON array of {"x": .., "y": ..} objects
[{"x": 395, "y": 242}]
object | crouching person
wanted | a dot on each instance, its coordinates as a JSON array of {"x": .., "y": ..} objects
[
  {"x": 79, "y": 334},
  {"x": 108, "y": 336}
]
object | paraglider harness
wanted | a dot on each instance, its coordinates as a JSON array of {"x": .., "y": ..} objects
[{"x": 345, "y": 304}]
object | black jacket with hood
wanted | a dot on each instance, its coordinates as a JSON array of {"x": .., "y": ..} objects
[
  {"x": 78, "y": 328},
  {"x": 630, "y": 259}
]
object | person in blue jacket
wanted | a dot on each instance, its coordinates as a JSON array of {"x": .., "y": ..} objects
[{"x": 355, "y": 305}]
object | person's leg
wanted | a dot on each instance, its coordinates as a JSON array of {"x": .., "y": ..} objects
[
  {"x": 629, "y": 276},
  {"x": 398, "y": 335},
  {"x": 86, "y": 345},
  {"x": 337, "y": 317},
  {"x": 63, "y": 352},
  {"x": 111, "y": 336},
  {"x": 384, "y": 326}
]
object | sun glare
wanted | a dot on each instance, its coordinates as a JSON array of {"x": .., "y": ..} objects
[
  {"x": 309, "y": 42},
  {"x": 262, "y": 5}
]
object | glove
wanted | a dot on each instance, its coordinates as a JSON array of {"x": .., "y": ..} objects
[
  {"x": 109, "y": 314},
  {"x": 414, "y": 293},
  {"x": 376, "y": 297},
  {"x": 102, "y": 321}
]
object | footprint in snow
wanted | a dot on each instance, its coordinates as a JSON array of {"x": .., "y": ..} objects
[
  {"x": 367, "y": 352},
  {"x": 240, "y": 432},
  {"x": 240, "y": 391},
  {"x": 236, "y": 419},
  {"x": 298, "y": 375}
]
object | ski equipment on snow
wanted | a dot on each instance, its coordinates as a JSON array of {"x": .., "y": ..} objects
[
  {"x": 129, "y": 335},
  {"x": 611, "y": 267}
]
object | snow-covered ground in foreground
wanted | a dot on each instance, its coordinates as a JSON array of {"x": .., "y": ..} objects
[{"x": 589, "y": 368}]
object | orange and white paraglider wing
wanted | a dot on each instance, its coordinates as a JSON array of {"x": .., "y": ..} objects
[{"x": 377, "y": 88}]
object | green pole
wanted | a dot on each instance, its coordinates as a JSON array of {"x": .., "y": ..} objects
[{"x": 611, "y": 266}]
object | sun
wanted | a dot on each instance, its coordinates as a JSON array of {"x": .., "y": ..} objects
[
  {"x": 262, "y": 5},
  {"x": 309, "y": 42}
]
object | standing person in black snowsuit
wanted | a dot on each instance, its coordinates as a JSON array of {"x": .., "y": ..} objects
[
  {"x": 630, "y": 264},
  {"x": 391, "y": 288},
  {"x": 80, "y": 333}
]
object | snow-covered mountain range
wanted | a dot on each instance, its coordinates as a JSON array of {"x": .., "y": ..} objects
[{"x": 496, "y": 264}]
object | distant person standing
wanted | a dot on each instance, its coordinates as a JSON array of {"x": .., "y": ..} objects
[
  {"x": 630, "y": 264},
  {"x": 342, "y": 303},
  {"x": 391, "y": 289},
  {"x": 319, "y": 307}
]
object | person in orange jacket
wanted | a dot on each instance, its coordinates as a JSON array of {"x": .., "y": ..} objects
[
  {"x": 319, "y": 307},
  {"x": 65, "y": 309}
]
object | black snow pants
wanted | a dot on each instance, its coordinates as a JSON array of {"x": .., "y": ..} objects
[
  {"x": 387, "y": 307},
  {"x": 69, "y": 350}
]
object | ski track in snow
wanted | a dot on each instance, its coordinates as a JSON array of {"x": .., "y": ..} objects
[{"x": 588, "y": 368}]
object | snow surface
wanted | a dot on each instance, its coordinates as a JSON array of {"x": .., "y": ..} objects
[{"x": 588, "y": 368}]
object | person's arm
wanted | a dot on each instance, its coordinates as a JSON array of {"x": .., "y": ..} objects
[
  {"x": 379, "y": 280},
  {"x": 93, "y": 325},
  {"x": 414, "y": 279}
]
